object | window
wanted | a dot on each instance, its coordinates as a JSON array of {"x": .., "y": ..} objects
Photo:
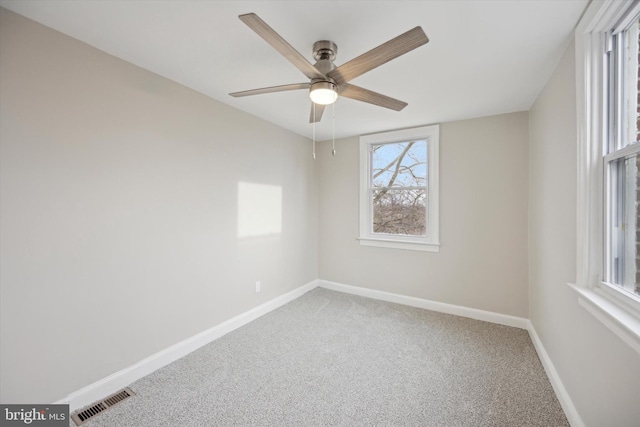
[
  {"x": 399, "y": 189},
  {"x": 621, "y": 160},
  {"x": 608, "y": 205}
]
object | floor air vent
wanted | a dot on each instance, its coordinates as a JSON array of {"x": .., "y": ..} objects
[{"x": 82, "y": 416}]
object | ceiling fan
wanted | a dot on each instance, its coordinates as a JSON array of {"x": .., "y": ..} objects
[{"x": 326, "y": 81}]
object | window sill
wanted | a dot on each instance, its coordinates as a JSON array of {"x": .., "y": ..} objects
[
  {"x": 400, "y": 244},
  {"x": 620, "y": 321}
]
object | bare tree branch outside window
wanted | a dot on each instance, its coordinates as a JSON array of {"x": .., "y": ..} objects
[{"x": 399, "y": 188}]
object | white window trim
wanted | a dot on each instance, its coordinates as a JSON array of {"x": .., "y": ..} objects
[
  {"x": 366, "y": 237},
  {"x": 616, "y": 312}
]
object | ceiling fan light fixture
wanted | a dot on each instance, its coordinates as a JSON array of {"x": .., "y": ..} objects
[{"x": 323, "y": 93}]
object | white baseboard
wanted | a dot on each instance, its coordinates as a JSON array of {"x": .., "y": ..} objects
[
  {"x": 563, "y": 396},
  {"x": 473, "y": 313},
  {"x": 114, "y": 382}
]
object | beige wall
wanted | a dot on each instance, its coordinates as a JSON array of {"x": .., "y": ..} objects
[
  {"x": 119, "y": 213},
  {"x": 482, "y": 262},
  {"x": 600, "y": 372}
]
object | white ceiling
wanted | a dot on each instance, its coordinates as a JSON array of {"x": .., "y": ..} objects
[{"x": 483, "y": 58}]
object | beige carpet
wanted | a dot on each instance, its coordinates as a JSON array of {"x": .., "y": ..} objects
[{"x": 329, "y": 359}]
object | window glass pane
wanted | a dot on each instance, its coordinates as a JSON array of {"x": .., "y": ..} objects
[
  {"x": 397, "y": 211},
  {"x": 402, "y": 164},
  {"x": 624, "y": 213},
  {"x": 629, "y": 119}
]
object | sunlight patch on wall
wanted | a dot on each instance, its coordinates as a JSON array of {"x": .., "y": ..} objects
[{"x": 259, "y": 209}]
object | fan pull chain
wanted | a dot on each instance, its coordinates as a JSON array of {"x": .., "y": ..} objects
[
  {"x": 314, "y": 131},
  {"x": 333, "y": 130}
]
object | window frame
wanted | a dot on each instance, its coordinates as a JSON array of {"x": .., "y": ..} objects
[
  {"x": 611, "y": 306},
  {"x": 429, "y": 243}
]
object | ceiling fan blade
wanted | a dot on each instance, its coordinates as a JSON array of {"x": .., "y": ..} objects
[
  {"x": 319, "y": 109},
  {"x": 281, "y": 45},
  {"x": 365, "y": 95},
  {"x": 380, "y": 55},
  {"x": 271, "y": 89}
]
